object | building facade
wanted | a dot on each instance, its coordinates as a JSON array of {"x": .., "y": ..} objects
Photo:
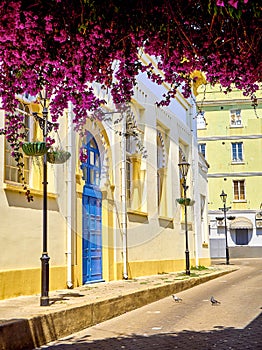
[
  {"x": 113, "y": 214},
  {"x": 230, "y": 138}
]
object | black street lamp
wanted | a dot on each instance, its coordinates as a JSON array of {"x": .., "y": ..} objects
[
  {"x": 184, "y": 166},
  {"x": 223, "y": 197},
  {"x": 46, "y": 127}
]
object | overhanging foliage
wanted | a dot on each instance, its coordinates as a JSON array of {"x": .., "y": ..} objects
[{"x": 66, "y": 45}]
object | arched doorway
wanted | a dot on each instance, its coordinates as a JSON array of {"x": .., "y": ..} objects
[{"x": 92, "y": 213}]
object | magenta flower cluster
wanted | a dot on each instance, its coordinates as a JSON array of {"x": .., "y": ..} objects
[
  {"x": 233, "y": 3},
  {"x": 65, "y": 46}
]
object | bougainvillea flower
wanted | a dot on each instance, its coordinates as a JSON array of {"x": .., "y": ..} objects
[{"x": 68, "y": 46}]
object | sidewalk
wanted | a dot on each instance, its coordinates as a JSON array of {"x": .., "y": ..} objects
[{"x": 24, "y": 324}]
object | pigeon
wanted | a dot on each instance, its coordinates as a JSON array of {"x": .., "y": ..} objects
[
  {"x": 176, "y": 298},
  {"x": 214, "y": 301}
]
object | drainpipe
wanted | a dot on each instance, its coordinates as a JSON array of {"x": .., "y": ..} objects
[
  {"x": 69, "y": 198},
  {"x": 123, "y": 195}
]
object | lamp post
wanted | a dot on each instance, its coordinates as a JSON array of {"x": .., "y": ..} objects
[
  {"x": 223, "y": 197},
  {"x": 46, "y": 127},
  {"x": 184, "y": 166}
]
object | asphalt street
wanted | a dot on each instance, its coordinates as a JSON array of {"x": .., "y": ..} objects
[{"x": 193, "y": 323}]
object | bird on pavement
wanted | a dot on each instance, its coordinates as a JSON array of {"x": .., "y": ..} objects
[
  {"x": 214, "y": 301},
  {"x": 176, "y": 298}
]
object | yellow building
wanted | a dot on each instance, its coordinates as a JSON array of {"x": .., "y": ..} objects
[
  {"x": 230, "y": 138},
  {"x": 115, "y": 215}
]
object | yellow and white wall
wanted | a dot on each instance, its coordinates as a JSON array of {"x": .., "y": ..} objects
[
  {"x": 155, "y": 227},
  {"x": 21, "y": 228},
  {"x": 218, "y": 131}
]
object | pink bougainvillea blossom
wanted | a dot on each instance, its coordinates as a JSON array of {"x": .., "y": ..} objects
[
  {"x": 233, "y": 3},
  {"x": 66, "y": 46},
  {"x": 83, "y": 155}
]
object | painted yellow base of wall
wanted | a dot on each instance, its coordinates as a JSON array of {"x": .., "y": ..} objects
[
  {"x": 204, "y": 262},
  {"x": 155, "y": 267},
  {"x": 14, "y": 283},
  {"x": 77, "y": 276}
]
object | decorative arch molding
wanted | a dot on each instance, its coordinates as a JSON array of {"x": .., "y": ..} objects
[{"x": 99, "y": 133}]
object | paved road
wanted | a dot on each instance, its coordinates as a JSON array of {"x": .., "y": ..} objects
[{"x": 192, "y": 324}]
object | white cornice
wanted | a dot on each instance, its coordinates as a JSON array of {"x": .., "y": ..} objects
[
  {"x": 235, "y": 174},
  {"x": 224, "y": 137},
  {"x": 216, "y": 102}
]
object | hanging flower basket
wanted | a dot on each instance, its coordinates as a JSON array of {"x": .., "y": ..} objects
[
  {"x": 57, "y": 156},
  {"x": 34, "y": 148},
  {"x": 185, "y": 201}
]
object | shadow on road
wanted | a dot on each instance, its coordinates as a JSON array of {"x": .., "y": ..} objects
[{"x": 220, "y": 339}]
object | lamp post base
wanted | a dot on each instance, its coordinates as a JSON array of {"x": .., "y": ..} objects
[
  {"x": 44, "y": 299},
  {"x": 227, "y": 256},
  {"x": 187, "y": 263}
]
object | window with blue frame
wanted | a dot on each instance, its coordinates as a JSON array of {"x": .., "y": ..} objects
[
  {"x": 91, "y": 168},
  {"x": 202, "y": 149},
  {"x": 237, "y": 151}
]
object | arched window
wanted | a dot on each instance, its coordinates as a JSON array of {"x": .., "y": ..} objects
[{"x": 91, "y": 168}]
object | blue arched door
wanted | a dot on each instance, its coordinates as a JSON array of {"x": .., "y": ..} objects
[{"x": 92, "y": 213}]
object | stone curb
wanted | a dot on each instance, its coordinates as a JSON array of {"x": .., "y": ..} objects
[{"x": 27, "y": 334}]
